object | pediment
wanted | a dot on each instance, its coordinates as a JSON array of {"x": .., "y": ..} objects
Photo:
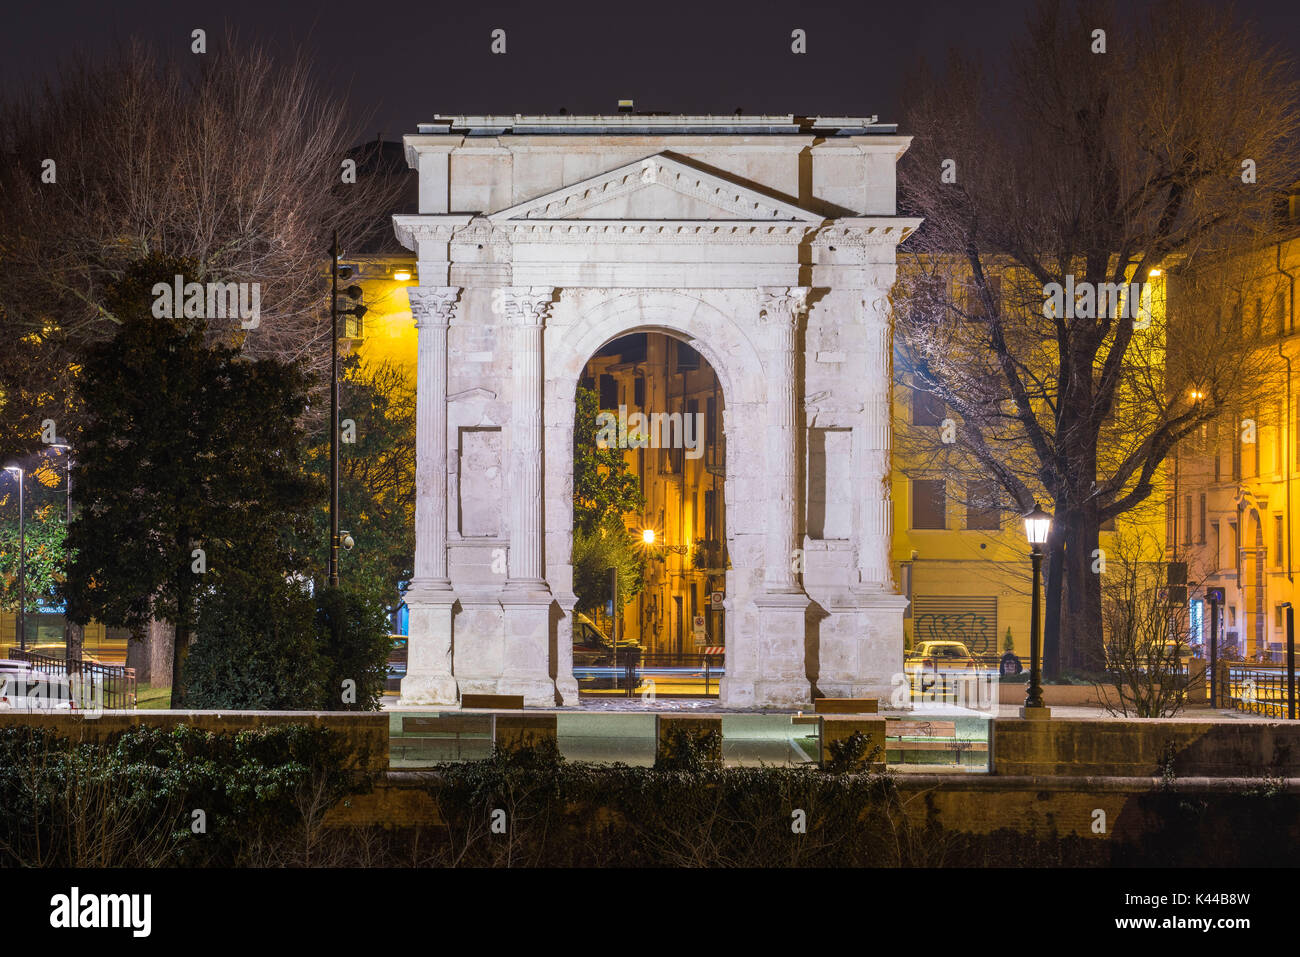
[{"x": 658, "y": 187}]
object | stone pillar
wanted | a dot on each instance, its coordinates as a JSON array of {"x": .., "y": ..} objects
[
  {"x": 430, "y": 598},
  {"x": 873, "y": 664},
  {"x": 780, "y": 309},
  {"x": 782, "y": 675},
  {"x": 527, "y": 598},
  {"x": 876, "y": 508}
]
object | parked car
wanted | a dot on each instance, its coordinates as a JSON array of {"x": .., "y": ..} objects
[
  {"x": 942, "y": 654},
  {"x": 35, "y": 691},
  {"x": 594, "y": 664}
]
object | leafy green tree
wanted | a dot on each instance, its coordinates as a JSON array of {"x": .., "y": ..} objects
[
  {"x": 188, "y": 472},
  {"x": 594, "y": 554},
  {"x": 45, "y": 556},
  {"x": 256, "y": 648},
  {"x": 604, "y": 490},
  {"x": 354, "y": 642},
  {"x": 376, "y": 481}
]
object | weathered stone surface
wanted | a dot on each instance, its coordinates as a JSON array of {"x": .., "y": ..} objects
[{"x": 772, "y": 253}]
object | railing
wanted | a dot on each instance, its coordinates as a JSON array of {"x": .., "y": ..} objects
[
  {"x": 110, "y": 686},
  {"x": 1257, "y": 689},
  {"x": 686, "y": 675}
]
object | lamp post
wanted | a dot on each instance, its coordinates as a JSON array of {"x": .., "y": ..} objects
[
  {"x": 71, "y": 632},
  {"x": 22, "y": 560},
  {"x": 1037, "y": 526},
  {"x": 352, "y": 292}
]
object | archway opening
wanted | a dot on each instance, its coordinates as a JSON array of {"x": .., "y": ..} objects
[{"x": 649, "y": 536}]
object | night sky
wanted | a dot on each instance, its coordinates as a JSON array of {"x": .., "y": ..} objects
[{"x": 399, "y": 63}]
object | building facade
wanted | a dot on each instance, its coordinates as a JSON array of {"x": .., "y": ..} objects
[{"x": 766, "y": 244}]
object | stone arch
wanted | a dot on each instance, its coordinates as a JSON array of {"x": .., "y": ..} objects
[
  {"x": 724, "y": 343},
  {"x": 729, "y": 349}
]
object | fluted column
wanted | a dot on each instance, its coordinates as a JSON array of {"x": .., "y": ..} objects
[
  {"x": 430, "y": 599},
  {"x": 780, "y": 309},
  {"x": 432, "y": 307},
  {"x": 782, "y": 680},
  {"x": 875, "y": 509},
  {"x": 526, "y": 308}
]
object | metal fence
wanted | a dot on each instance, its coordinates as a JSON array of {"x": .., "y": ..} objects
[
  {"x": 112, "y": 686},
  {"x": 686, "y": 675},
  {"x": 1257, "y": 689}
]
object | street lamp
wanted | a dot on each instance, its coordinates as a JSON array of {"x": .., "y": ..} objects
[
  {"x": 1037, "y": 526},
  {"x": 71, "y": 633},
  {"x": 22, "y": 559},
  {"x": 358, "y": 310}
]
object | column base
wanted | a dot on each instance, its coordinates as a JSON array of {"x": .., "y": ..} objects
[
  {"x": 429, "y": 679},
  {"x": 429, "y": 689},
  {"x": 527, "y": 660},
  {"x": 782, "y": 675},
  {"x": 1036, "y": 714}
]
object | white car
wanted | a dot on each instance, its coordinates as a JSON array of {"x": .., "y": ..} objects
[{"x": 35, "y": 691}]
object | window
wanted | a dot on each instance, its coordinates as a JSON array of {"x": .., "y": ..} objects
[
  {"x": 1218, "y": 552},
  {"x": 981, "y": 513},
  {"x": 1279, "y": 313},
  {"x": 1187, "y": 526},
  {"x": 929, "y": 503},
  {"x": 1236, "y": 546},
  {"x": 1200, "y": 538},
  {"x": 1276, "y": 433},
  {"x": 927, "y": 408},
  {"x": 1236, "y": 448},
  {"x": 1214, "y": 444},
  {"x": 1279, "y": 548},
  {"x": 1257, "y": 443},
  {"x": 1169, "y": 522},
  {"x": 608, "y": 392},
  {"x": 638, "y": 392}
]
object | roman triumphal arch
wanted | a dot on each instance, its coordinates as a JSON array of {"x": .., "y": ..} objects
[{"x": 767, "y": 244}]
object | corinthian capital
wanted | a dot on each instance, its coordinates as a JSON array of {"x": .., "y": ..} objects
[
  {"x": 432, "y": 305},
  {"x": 782, "y": 303},
  {"x": 526, "y": 305}
]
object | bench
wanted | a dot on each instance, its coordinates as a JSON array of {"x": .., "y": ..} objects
[
  {"x": 496, "y": 702},
  {"x": 919, "y": 729},
  {"x": 846, "y": 705},
  {"x": 941, "y": 735}
]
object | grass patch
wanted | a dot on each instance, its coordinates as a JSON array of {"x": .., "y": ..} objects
[{"x": 151, "y": 698}]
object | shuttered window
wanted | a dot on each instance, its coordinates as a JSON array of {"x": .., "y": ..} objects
[{"x": 970, "y": 619}]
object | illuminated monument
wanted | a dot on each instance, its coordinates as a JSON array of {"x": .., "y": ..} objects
[{"x": 767, "y": 243}]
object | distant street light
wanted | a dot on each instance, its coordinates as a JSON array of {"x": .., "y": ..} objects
[
  {"x": 1038, "y": 524},
  {"x": 22, "y": 560}
]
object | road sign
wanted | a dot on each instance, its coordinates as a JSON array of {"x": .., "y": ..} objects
[
  {"x": 697, "y": 626},
  {"x": 716, "y": 598}
]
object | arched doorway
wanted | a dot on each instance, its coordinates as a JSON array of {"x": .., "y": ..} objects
[{"x": 649, "y": 522}]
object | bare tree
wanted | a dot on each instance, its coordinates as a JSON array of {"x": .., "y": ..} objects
[
  {"x": 236, "y": 163},
  {"x": 1111, "y": 148}
]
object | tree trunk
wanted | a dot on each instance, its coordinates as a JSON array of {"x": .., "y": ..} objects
[
  {"x": 1053, "y": 591},
  {"x": 181, "y": 639},
  {"x": 1081, "y": 625}
]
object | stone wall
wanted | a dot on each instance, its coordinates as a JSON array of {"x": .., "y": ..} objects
[{"x": 1110, "y": 747}]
